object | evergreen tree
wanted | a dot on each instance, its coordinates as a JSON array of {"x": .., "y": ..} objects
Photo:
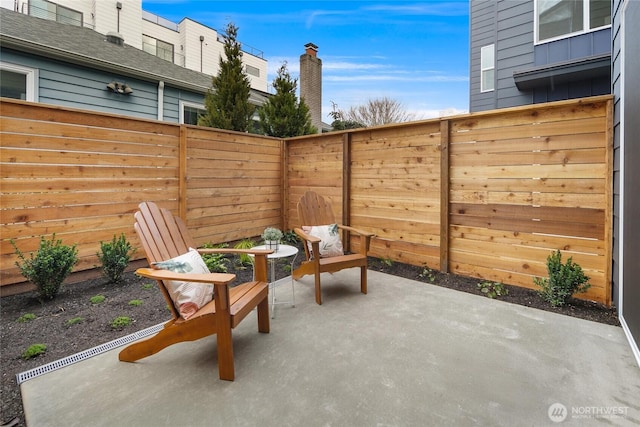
[
  {"x": 282, "y": 115},
  {"x": 227, "y": 101}
]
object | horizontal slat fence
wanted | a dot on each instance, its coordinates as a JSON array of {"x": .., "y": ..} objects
[
  {"x": 542, "y": 183},
  {"x": 81, "y": 175},
  {"x": 488, "y": 195}
]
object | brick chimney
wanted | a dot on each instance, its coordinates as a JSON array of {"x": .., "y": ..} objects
[{"x": 311, "y": 83}]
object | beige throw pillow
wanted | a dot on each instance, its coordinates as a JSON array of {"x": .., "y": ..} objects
[
  {"x": 188, "y": 297},
  {"x": 330, "y": 244}
]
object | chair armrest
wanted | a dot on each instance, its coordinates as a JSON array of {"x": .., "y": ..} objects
[
  {"x": 216, "y": 278},
  {"x": 357, "y": 231},
  {"x": 307, "y": 237},
  {"x": 235, "y": 251}
]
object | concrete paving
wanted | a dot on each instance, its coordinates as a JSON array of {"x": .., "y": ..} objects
[{"x": 406, "y": 354}]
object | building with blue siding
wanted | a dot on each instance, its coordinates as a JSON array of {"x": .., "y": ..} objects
[
  {"x": 43, "y": 60},
  {"x": 532, "y": 51}
]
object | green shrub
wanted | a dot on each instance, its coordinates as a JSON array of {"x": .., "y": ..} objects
[
  {"x": 114, "y": 257},
  {"x": 98, "y": 299},
  {"x": 564, "y": 280},
  {"x": 26, "y": 318},
  {"x": 493, "y": 289},
  {"x": 147, "y": 286},
  {"x": 135, "y": 302},
  {"x": 216, "y": 263},
  {"x": 49, "y": 267},
  {"x": 120, "y": 322},
  {"x": 33, "y": 351}
]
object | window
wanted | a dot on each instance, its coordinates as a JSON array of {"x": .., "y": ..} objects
[
  {"x": 487, "y": 68},
  {"x": 18, "y": 82},
  {"x": 561, "y": 18},
  {"x": 157, "y": 47},
  {"x": 254, "y": 71},
  {"x": 190, "y": 111},
  {"x": 54, "y": 12}
]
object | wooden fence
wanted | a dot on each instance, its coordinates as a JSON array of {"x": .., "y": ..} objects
[
  {"x": 487, "y": 195},
  {"x": 81, "y": 175}
]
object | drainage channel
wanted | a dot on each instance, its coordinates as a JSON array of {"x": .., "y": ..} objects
[{"x": 83, "y": 355}]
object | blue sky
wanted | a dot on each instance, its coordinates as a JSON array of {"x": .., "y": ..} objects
[{"x": 414, "y": 52}]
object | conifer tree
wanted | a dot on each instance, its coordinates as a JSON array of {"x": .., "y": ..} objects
[
  {"x": 227, "y": 101},
  {"x": 282, "y": 115}
]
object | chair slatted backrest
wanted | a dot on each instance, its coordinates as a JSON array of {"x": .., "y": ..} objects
[
  {"x": 163, "y": 237},
  {"x": 314, "y": 210}
]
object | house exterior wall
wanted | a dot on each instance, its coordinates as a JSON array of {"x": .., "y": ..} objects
[
  {"x": 503, "y": 24},
  {"x": 69, "y": 85},
  {"x": 626, "y": 228},
  {"x": 482, "y": 31},
  {"x": 509, "y": 24}
]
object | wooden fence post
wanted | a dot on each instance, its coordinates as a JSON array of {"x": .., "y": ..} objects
[
  {"x": 182, "y": 174},
  {"x": 444, "y": 196},
  {"x": 346, "y": 185}
]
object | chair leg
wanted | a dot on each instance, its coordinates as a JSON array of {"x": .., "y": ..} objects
[
  {"x": 263, "y": 316},
  {"x": 318, "y": 293},
  {"x": 363, "y": 280},
  {"x": 225, "y": 354}
]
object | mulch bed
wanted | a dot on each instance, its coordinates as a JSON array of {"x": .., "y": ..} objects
[{"x": 71, "y": 323}]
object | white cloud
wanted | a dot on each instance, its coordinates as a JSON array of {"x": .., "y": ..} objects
[
  {"x": 396, "y": 78},
  {"x": 453, "y": 8}
]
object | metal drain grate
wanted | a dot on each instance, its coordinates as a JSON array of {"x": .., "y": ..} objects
[{"x": 78, "y": 357}]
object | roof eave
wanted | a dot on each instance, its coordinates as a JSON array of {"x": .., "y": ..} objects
[{"x": 75, "y": 58}]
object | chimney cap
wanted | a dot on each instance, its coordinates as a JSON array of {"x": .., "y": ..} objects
[{"x": 311, "y": 49}]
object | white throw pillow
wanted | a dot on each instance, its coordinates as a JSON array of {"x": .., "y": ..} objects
[
  {"x": 330, "y": 244},
  {"x": 188, "y": 297}
]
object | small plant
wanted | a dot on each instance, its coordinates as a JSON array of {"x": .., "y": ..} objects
[
  {"x": 49, "y": 267},
  {"x": 564, "y": 280},
  {"x": 26, "y": 318},
  {"x": 115, "y": 256},
  {"x": 135, "y": 302},
  {"x": 493, "y": 289},
  {"x": 98, "y": 299},
  {"x": 387, "y": 261},
  {"x": 245, "y": 259},
  {"x": 120, "y": 322},
  {"x": 74, "y": 321},
  {"x": 147, "y": 286},
  {"x": 33, "y": 351},
  {"x": 216, "y": 263},
  {"x": 290, "y": 238},
  {"x": 271, "y": 234},
  {"x": 427, "y": 274}
]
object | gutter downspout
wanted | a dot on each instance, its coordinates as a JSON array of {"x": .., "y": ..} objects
[{"x": 160, "y": 100}]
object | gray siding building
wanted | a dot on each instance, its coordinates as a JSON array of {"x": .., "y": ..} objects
[{"x": 531, "y": 51}]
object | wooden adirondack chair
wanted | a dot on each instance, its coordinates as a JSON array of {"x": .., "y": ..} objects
[
  {"x": 163, "y": 237},
  {"x": 314, "y": 210}
]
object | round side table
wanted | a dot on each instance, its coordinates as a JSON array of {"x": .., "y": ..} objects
[{"x": 284, "y": 251}]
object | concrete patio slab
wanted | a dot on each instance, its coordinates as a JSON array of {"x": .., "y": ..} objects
[{"x": 406, "y": 354}]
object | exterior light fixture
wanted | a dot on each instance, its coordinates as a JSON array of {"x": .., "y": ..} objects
[{"x": 118, "y": 87}]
